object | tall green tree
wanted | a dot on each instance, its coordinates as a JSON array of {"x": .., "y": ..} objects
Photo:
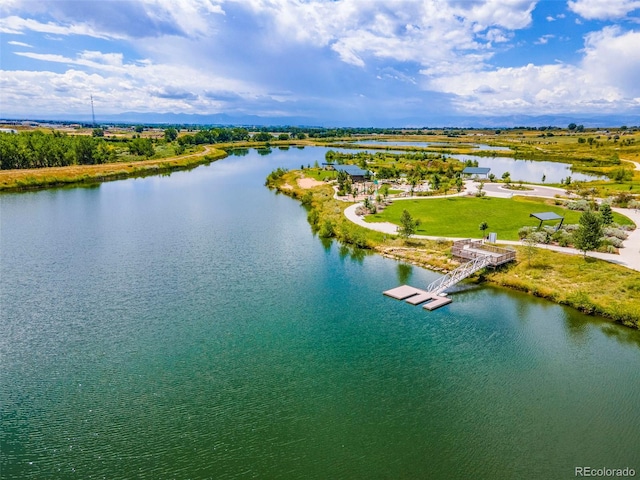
[
  {"x": 170, "y": 134},
  {"x": 435, "y": 182},
  {"x": 408, "y": 225},
  {"x": 589, "y": 233},
  {"x": 606, "y": 214},
  {"x": 141, "y": 146},
  {"x": 262, "y": 137}
]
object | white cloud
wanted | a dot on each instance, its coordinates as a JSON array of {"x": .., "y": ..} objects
[
  {"x": 117, "y": 86},
  {"x": 614, "y": 57},
  {"x": 543, "y": 40},
  {"x": 605, "y": 80},
  {"x": 603, "y": 10},
  {"x": 95, "y": 60},
  {"x": 437, "y": 35},
  {"x": 433, "y": 34},
  {"x": 17, "y": 25},
  {"x": 205, "y": 56},
  {"x": 20, "y": 44},
  {"x": 129, "y": 19}
]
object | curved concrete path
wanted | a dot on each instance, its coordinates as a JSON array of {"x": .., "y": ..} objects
[
  {"x": 636, "y": 164},
  {"x": 629, "y": 256}
]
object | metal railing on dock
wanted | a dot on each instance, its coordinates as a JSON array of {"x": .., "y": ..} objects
[{"x": 471, "y": 249}]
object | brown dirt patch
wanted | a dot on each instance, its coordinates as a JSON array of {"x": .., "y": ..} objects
[{"x": 308, "y": 183}]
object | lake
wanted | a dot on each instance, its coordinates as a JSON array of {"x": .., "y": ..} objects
[
  {"x": 528, "y": 170},
  {"x": 191, "y": 326}
]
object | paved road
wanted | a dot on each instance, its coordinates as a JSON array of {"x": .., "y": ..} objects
[{"x": 629, "y": 255}]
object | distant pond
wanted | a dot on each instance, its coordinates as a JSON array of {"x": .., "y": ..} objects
[
  {"x": 528, "y": 170},
  {"x": 520, "y": 170}
]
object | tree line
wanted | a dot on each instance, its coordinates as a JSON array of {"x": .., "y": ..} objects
[{"x": 38, "y": 149}]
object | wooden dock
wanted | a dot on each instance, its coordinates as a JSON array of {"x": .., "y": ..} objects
[
  {"x": 415, "y": 296},
  {"x": 478, "y": 255}
]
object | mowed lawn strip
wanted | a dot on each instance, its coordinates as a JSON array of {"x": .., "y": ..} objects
[{"x": 462, "y": 216}]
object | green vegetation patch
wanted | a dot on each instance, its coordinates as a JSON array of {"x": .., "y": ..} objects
[
  {"x": 592, "y": 286},
  {"x": 462, "y": 216}
]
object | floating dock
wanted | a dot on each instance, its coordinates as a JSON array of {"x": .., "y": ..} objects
[
  {"x": 415, "y": 296},
  {"x": 478, "y": 256}
]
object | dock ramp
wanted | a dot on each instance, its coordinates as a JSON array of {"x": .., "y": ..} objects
[{"x": 479, "y": 256}]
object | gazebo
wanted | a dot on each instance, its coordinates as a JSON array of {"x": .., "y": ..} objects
[{"x": 547, "y": 216}]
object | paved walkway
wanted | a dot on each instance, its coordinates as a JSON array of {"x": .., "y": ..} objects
[
  {"x": 629, "y": 255},
  {"x": 637, "y": 165}
]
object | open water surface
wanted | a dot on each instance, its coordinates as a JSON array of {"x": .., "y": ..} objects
[{"x": 191, "y": 326}]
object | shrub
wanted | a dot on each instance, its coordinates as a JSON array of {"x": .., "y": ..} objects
[
  {"x": 362, "y": 210},
  {"x": 539, "y": 237},
  {"x": 312, "y": 217},
  {"x": 306, "y": 199},
  {"x": 565, "y": 241},
  {"x": 613, "y": 241},
  {"x": 326, "y": 230},
  {"x": 580, "y": 205},
  {"x": 622, "y": 200},
  {"x": 525, "y": 231},
  {"x": 615, "y": 232}
]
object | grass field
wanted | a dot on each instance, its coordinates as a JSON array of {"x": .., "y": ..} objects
[{"x": 461, "y": 216}]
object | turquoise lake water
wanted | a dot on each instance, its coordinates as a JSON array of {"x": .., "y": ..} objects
[{"x": 191, "y": 326}]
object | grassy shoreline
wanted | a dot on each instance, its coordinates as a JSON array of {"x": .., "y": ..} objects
[
  {"x": 593, "y": 286},
  {"x": 50, "y": 177}
]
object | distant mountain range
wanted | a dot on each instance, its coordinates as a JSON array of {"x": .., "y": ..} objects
[{"x": 507, "y": 121}]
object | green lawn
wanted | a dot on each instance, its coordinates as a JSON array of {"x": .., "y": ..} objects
[
  {"x": 320, "y": 174},
  {"x": 461, "y": 216}
]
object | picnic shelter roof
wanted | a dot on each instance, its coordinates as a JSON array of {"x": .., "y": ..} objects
[
  {"x": 476, "y": 170},
  {"x": 352, "y": 170},
  {"x": 543, "y": 216}
]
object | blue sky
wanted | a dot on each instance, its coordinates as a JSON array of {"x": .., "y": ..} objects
[{"x": 349, "y": 62}]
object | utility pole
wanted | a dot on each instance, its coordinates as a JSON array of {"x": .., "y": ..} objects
[{"x": 93, "y": 114}]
